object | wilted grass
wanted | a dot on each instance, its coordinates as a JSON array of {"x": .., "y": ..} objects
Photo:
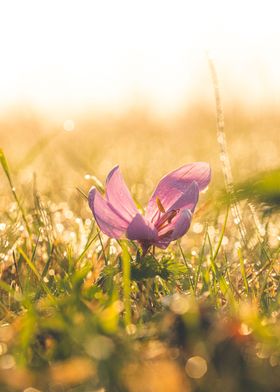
[{"x": 81, "y": 312}]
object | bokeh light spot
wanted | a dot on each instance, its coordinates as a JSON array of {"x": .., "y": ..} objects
[
  {"x": 196, "y": 367},
  {"x": 69, "y": 125},
  {"x": 7, "y": 362}
]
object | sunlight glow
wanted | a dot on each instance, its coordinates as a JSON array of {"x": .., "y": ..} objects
[
  {"x": 69, "y": 125},
  {"x": 80, "y": 54}
]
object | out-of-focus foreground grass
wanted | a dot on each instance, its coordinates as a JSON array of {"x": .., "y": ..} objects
[{"x": 80, "y": 312}]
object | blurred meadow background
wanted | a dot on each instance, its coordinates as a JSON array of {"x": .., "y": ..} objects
[{"x": 85, "y": 86}]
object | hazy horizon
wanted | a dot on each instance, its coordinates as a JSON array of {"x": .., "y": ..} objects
[{"x": 68, "y": 58}]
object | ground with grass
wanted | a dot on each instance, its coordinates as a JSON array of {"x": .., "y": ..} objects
[{"x": 81, "y": 312}]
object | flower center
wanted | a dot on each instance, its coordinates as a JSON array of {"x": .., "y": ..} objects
[{"x": 166, "y": 219}]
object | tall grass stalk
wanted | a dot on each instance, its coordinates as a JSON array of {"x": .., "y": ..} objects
[{"x": 224, "y": 155}]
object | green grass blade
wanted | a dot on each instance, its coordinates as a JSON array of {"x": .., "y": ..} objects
[
  {"x": 5, "y": 167},
  {"x": 221, "y": 236},
  {"x": 36, "y": 273},
  {"x": 126, "y": 283},
  {"x": 201, "y": 255},
  {"x": 187, "y": 266},
  {"x": 243, "y": 271}
]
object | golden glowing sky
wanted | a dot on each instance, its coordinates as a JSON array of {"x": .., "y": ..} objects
[{"x": 69, "y": 55}]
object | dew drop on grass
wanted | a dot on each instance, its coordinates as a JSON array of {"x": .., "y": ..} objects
[
  {"x": 197, "y": 228},
  {"x": 225, "y": 240},
  {"x": 68, "y": 214},
  {"x": 51, "y": 272},
  {"x": 236, "y": 221},
  {"x": 59, "y": 227},
  {"x": 194, "y": 252},
  {"x": 88, "y": 222},
  {"x": 112, "y": 250}
]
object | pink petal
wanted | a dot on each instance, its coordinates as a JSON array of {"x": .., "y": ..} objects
[
  {"x": 141, "y": 230},
  {"x": 182, "y": 224},
  {"x": 188, "y": 199},
  {"x": 110, "y": 222},
  {"x": 175, "y": 184},
  {"x": 119, "y": 196},
  {"x": 163, "y": 243}
]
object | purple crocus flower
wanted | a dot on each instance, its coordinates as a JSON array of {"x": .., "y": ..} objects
[{"x": 169, "y": 211}]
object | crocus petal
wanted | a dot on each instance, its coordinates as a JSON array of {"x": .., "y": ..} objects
[
  {"x": 119, "y": 196},
  {"x": 182, "y": 224},
  {"x": 173, "y": 185},
  {"x": 110, "y": 222},
  {"x": 163, "y": 243},
  {"x": 141, "y": 230},
  {"x": 188, "y": 199}
]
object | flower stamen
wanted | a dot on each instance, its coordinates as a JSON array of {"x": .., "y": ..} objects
[
  {"x": 166, "y": 219},
  {"x": 160, "y": 206}
]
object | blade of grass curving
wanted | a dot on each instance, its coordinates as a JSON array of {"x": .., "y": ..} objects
[
  {"x": 218, "y": 275},
  {"x": 80, "y": 257},
  {"x": 35, "y": 248},
  {"x": 265, "y": 279},
  {"x": 82, "y": 193},
  {"x": 36, "y": 273},
  {"x": 263, "y": 189},
  {"x": 260, "y": 231},
  {"x": 242, "y": 269},
  {"x": 90, "y": 233},
  {"x": 102, "y": 247},
  {"x": 17, "y": 272},
  {"x": 42, "y": 218},
  {"x": 187, "y": 266},
  {"x": 5, "y": 167},
  {"x": 126, "y": 283},
  {"x": 7, "y": 288},
  {"x": 221, "y": 235},
  {"x": 231, "y": 285},
  {"x": 213, "y": 268},
  {"x": 48, "y": 263},
  {"x": 201, "y": 255},
  {"x": 27, "y": 280}
]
